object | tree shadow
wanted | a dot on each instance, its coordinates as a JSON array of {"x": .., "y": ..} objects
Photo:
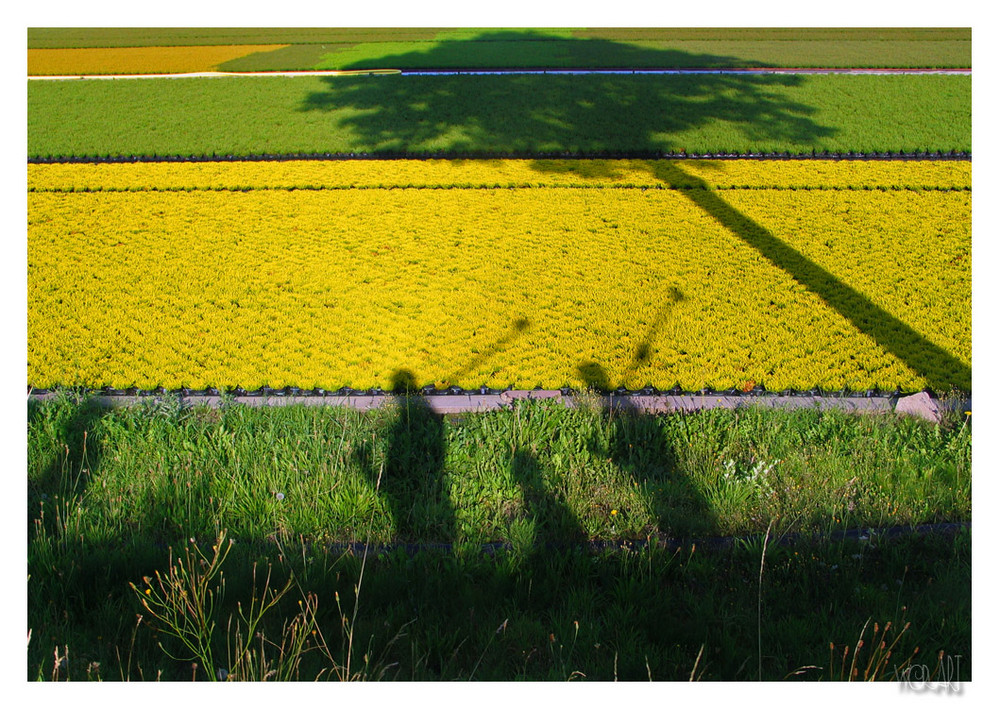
[
  {"x": 582, "y": 116},
  {"x": 564, "y": 113},
  {"x": 458, "y": 50},
  {"x": 939, "y": 367},
  {"x": 534, "y": 49}
]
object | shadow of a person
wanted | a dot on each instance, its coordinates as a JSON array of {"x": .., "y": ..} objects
[
  {"x": 638, "y": 445},
  {"x": 551, "y": 517},
  {"x": 412, "y": 479}
]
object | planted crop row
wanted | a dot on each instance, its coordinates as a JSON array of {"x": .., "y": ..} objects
[
  {"x": 137, "y": 60},
  {"x": 498, "y": 287},
  {"x": 121, "y": 50},
  {"x": 722, "y": 174},
  {"x": 605, "y": 155},
  {"x": 501, "y": 52},
  {"x": 494, "y": 115},
  {"x": 510, "y": 50},
  {"x": 66, "y": 37}
]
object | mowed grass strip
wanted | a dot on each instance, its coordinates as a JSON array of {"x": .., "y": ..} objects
[
  {"x": 589, "y": 285},
  {"x": 595, "y": 116},
  {"x": 137, "y": 60}
]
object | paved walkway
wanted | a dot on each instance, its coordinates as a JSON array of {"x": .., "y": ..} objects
[{"x": 920, "y": 405}]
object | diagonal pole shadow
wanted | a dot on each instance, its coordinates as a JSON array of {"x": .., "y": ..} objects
[
  {"x": 941, "y": 369},
  {"x": 644, "y": 350},
  {"x": 518, "y": 327}
]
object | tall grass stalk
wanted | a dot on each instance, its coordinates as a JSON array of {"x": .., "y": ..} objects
[{"x": 760, "y": 603}]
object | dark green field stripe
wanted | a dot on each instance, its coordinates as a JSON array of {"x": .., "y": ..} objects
[{"x": 501, "y": 116}]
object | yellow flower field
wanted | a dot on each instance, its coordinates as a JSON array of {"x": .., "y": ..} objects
[
  {"x": 523, "y": 273},
  {"x": 137, "y": 60}
]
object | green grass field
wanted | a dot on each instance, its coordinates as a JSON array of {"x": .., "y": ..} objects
[{"x": 499, "y": 114}]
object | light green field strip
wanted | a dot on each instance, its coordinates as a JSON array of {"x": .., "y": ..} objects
[{"x": 588, "y": 283}]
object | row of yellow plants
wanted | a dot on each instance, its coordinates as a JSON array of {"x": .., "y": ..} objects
[
  {"x": 715, "y": 174},
  {"x": 548, "y": 286},
  {"x": 137, "y": 60}
]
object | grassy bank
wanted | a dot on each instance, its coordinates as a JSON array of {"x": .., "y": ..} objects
[
  {"x": 498, "y": 115},
  {"x": 756, "y": 611},
  {"x": 112, "y": 492},
  {"x": 539, "y": 471}
]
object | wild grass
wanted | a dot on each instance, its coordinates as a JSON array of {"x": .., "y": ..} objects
[
  {"x": 129, "y": 500},
  {"x": 564, "y": 473}
]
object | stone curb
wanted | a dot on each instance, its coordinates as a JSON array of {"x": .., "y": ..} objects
[{"x": 920, "y": 405}]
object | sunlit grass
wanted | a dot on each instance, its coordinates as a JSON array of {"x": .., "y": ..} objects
[
  {"x": 402, "y": 473},
  {"x": 111, "y": 490}
]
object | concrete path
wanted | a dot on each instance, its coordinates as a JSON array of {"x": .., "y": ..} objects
[{"x": 919, "y": 405}]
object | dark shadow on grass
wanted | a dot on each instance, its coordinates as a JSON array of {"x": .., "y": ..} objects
[
  {"x": 412, "y": 479},
  {"x": 62, "y": 467},
  {"x": 642, "y": 448},
  {"x": 615, "y": 614},
  {"x": 547, "y": 512}
]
